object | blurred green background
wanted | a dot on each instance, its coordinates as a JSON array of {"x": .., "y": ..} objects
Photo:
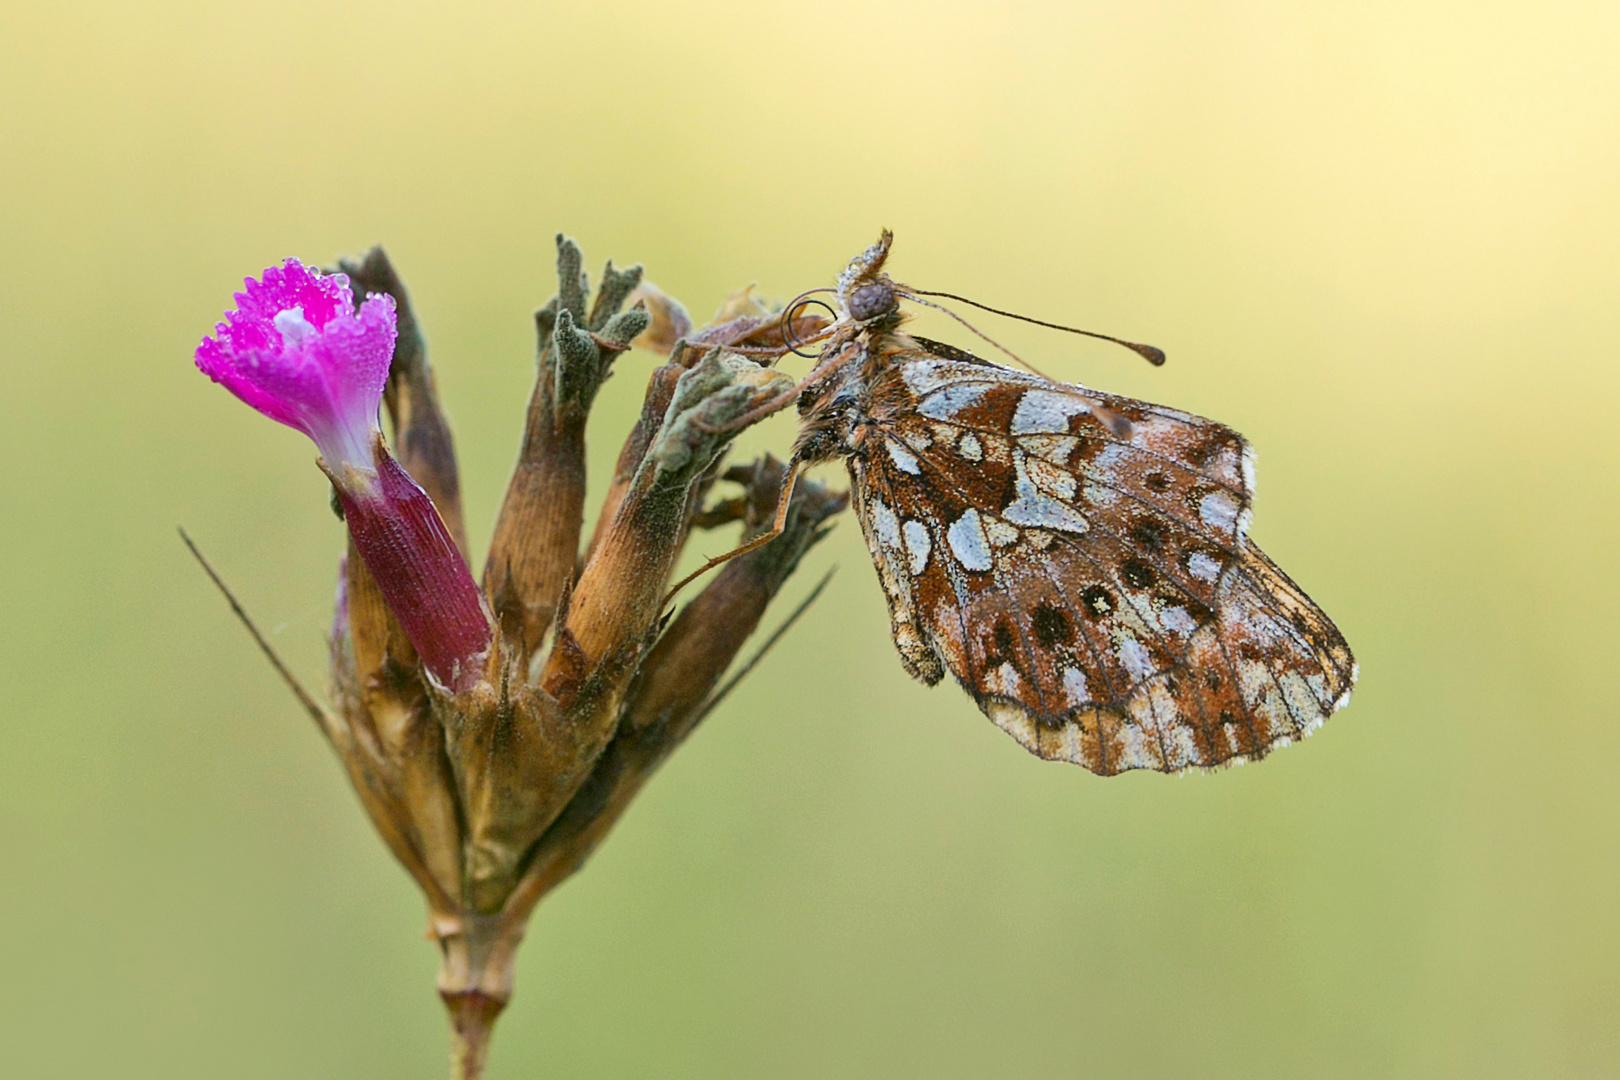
[{"x": 1380, "y": 239}]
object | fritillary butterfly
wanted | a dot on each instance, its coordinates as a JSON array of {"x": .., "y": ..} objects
[{"x": 1077, "y": 560}]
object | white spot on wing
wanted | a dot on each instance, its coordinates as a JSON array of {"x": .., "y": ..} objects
[
  {"x": 886, "y": 524},
  {"x": 1046, "y": 411},
  {"x": 944, "y": 404},
  {"x": 1110, "y": 459},
  {"x": 1071, "y": 742},
  {"x": 1035, "y": 508},
  {"x": 1041, "y": 512},
  {"x": 1177, "y": 620},
  {"x": 1074, "y": 685},
  {"x": 1134, "y": 657},
  {"x": 1056, "y": 482},
  {"x": 1307, "y": 712},
  {"x": 1203, "y": 567},
  {"x": 1254, "y": 680},
  {"x": 924, "y": 375},
  {"x": 917, "y": 545},
  {"x": 903, "y": 459},
  {"x": 968, "y": 544},
  {"x": 1136, "y": 752},
  {"x": 969, "y": 447},
  {"x": 1053, "y": 448},
  {"x": 1003, "y": 680},
  {"x": 1179, "y": 749},
  {"x": 1100, "y": 495},
  {"x": 1219, "y": 510}
]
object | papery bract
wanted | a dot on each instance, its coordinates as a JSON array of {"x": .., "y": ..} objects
[{"x": 296, "y": 350}]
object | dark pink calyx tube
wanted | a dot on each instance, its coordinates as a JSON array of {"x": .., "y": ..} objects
[{"x": 420, "y": 572}]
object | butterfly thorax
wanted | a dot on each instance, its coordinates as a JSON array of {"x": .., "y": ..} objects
[
  {"x": 853, "y": 380},
  {"x": 863, "y": 387}
]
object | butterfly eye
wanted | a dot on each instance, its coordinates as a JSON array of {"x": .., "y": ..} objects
[{"x": 871, "y": 300}]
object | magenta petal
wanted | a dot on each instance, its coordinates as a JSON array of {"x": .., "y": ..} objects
[{"x": 297, "y": 351}]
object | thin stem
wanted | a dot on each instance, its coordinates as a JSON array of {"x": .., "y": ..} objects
[
  {"x": 311, "y": 706},
  {"x": 741, "y": 673},
  {"x": 472, "y": 1022}
]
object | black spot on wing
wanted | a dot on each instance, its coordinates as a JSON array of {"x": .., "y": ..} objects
[
  {"x": 1148, "y": 535},
  {"x": 1052, "y": 627},
  {"x": 1097, "y": 601},
  {"x": 1137, "y": 574}
]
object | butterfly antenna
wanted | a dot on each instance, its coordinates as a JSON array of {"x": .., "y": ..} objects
[
  {"x": 940, "y": 307},
  {"x": 1151, "y": 354}
]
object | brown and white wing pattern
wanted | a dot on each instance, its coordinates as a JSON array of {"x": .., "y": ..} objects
[{"x": 1078, "y": 561}]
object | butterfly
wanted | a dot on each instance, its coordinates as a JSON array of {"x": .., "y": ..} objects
[{"x": 1077, "y": 560}]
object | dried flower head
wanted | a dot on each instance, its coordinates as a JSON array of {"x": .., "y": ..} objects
[{"x": 494, "y": 734}]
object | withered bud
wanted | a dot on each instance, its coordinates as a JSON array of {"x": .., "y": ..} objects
[{"x": 670, "y": 322}]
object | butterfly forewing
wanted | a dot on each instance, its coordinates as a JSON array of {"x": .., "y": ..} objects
[{"x": 1078, "y": 561}]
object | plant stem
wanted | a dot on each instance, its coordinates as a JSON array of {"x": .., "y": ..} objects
[
  {"x": 475, "y": 983},
  {"x": 472, "y": 1021}
]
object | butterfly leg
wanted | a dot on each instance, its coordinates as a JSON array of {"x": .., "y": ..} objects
[
  {"x": 783, "y": 500},
  {"x": 782, "y": 400},
  {"x": 752, "y": 416}
]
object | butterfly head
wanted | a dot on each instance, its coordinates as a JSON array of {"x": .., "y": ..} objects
[{"x": 865, "y": 292}]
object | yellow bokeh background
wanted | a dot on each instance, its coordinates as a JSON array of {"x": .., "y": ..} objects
[{"x": 1380, "y": 239}]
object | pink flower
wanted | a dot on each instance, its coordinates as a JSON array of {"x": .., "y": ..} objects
[{"x": 296, "y": 350}]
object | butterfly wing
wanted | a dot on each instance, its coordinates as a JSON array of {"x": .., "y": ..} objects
[{"x": 1078, "y": 561}]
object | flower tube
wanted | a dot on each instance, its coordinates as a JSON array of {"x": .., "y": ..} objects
[{"x": 296, "y": 349}]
